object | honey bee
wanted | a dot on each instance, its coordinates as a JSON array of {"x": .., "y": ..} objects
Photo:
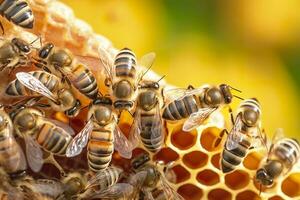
[
  {"x": 283, "y": 155},
  {"x": 195, "y": 104},
  {"x": 148, "y": 122},
  {"x": 245, "y": 134},
  {"x": 102, "y": 135},
  {"x": 12, "y": 158},
  {"x": 42, "y": 83},
  {"x": 18, "y": 12},
  {"x": 8, "y": 191},
  {"x": 123, "y": 76},
  {"x": 151, "y": 181},
  {"x": 13, "y": 54},
  {"x": 40, "y": 133},
  {"x": 61, "y": 63}
]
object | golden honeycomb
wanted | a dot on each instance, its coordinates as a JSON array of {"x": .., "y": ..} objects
[{"x": 195, "y": 159}]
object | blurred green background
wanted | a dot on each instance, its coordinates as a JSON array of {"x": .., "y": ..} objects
[{"x": 251, "y": 45}]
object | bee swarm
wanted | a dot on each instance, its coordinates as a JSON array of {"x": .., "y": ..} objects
[{"x": 196, "y": 160}]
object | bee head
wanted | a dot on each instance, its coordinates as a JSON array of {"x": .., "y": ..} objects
[
  {"x": 21, "y": 45},
  {"x": 225, "y": 89},
  {"x": 45, "y": 50},
  {"x": 140, "y": 160},
  {"x": 263, "y": 178},
  {"x": 72, "y": 112}
]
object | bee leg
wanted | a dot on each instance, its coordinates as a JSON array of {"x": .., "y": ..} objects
[
  {"x": 221, "y": 135},
  {"x": 50, "y": 159},
  {"x": 190, "y": 87},
  {"x": 231, "y": 116},
  {"x": 2, "y": 28}
]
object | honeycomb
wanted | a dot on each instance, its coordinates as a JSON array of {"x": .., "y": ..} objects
[{"x": 195, "y": 159}]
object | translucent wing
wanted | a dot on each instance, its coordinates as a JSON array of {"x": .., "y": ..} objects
[
  {"x": 145, "y": 62},
  {"x": 34, "y": 154},
  {"x": 48, "y": 187},
  {"x": 80, "y": 140},
  {"x": 135, "y": 129},
  {"x": 117, "y": 191},
  {"x": 122, "y": 144},
  {"x": 259, "y": 139},
  {"x": 34, "y": 84},
  {"x": 169, "y": 190},
  {"x": 157, "y": 128},
  {"x": 235, "y": 136},
  {"x": 278, "y": 135},
  {"x": 197, "y": 118},
  {"x": 107, "y": 62},
  {"x": 62, "y": 125}
]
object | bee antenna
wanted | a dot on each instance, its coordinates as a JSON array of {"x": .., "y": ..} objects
[
  {"x": 238, "y": 97},
  {"x": 145, "y": 72},
  {"x": 235, "y": 89},
  {"x": 260, "y": 188},
  {"x": 38, "y": 38},
  {"x": 161, "y": 78},
  {"x": 99, "y": 94}
]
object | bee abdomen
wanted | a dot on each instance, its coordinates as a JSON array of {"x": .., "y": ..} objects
[
  {"x": 17, "y": 11},
  {"x": 288, "y": 151},
  {"x": 85, "y": 82},
  {"x": 53, "y": 139},
  {"x": 125, "y": 62},
  {"x": 180, "y": 109}
]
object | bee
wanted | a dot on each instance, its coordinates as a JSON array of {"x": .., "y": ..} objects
[
  {"x": 148, "y": 121},
  {"x": 195, "y": 104},
  {"x": 150, "y": 181},
  {"x": 283, "y": 155},
  {"x": 18, "y": 12},
  {"x": 245, "y": 134},
  {"x": 14, "y": 54},
  {"x": 59, "y": 97},
  {"x": 102, "y": 135},
  {"x": 61, "y": 63},
  {"x": 12, "y": 158},
  {"x": 40, "y": 133},
  {"x": 123, "y": 76},
  {"x": 8, "y": 191}
]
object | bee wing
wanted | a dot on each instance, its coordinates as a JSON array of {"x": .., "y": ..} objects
[
  {"x": 49, "y": 187},
  {"x": 107, "y": 62},
  {"x": 259, "y": 139},
  {"x": 62, "y": 125},
  {"x": 169, "y": 190},
  {"x": 122, "y": 144},
  {"x": 32, "y": 83},
  {"x": 80, "y": 140},
  {"x": 197, "y": 118},
  {"x": 279, "y": 134},
  {"x": 34, "y": 154},
  {"x": 157, "y": 128},
  {"x": 116, "y": 191},
  {"x": 135, "y": 129},
  {"x": 145, "y": 62},
  {"x": 235, "y": 136}
]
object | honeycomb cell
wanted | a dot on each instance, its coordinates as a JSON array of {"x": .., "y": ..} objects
[
  {"x": 183, "y": 140},
  {"x": 215, "y": 160},
  {"x": 218, "y": 194},
  {"x": 181, "y": 174},
  {"x": 247, "y": 195},
  {"x": 252, "y": 161},
  {"x": 195, "y": 159},
  {"x": 166, "y": 154},
  {"x": 190, "y": 192},
  {"x": 237, "y": 179},
  {"x": 291, "y": 185},
  {"x": 208, "y": 177},
  {"x": 208, "y": 138},
  {"x": 125, "y": 128},
  {"x": 276, "y": 198}
]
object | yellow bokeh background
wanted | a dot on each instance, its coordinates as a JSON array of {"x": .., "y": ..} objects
[{"x": 247, "y": 44}]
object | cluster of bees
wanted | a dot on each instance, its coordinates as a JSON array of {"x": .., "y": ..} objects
[{"x": 51, "y": 86}]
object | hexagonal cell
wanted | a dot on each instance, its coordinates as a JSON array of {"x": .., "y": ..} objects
[
  {"x": 215, "y": 160},
  {"x": 247, "y": 195},
  {"x": 190, "y": 192},
  {"x": 181, "y": 174},
  {"x": 237, "y": 179},
  {"x": 291, "y": 185},
  {"x": 195, "y": 159},
  {"x": 208, "y": 177},
  {"x": 276, "y": 198},
  {"x": 208, "y": 138},
  {"x": 166, "y": 154},
  {"x": 183, "y": 140},
  {"x": 252, "y": 160},
  {"x": 217, "y": 194}
]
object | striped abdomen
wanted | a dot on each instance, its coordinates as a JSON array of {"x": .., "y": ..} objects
[
  {"x": 100, "y": 149},
  {"x": 112, "y": 175},
  {"x": 11, "y": 155},
  {"x": 148, "y": 128},
  {"x": 125, "y": 63},
  {"x": 16, "y": 88},
  {"x": 17, "y": 11},
  {"x": 84, "y": 80},
  {"x": 232, "y": 158},
  {"x": 287, "y": 151},
  {"x": 180, "y": 109},
  {"x": 53, "y": 139}
]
